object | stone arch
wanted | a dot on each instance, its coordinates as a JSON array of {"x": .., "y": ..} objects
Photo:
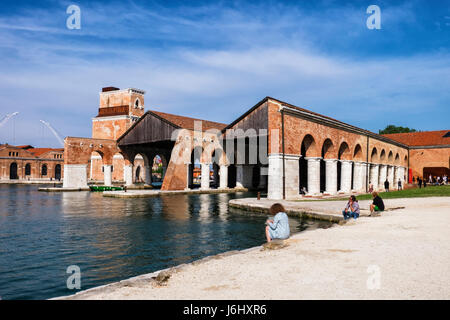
[
  {"x": 397, "y": 159},
  {"x": 344, "y": 152},
  {"x": 308, "y": 147},
  {"x": 28, "y": 169},
  {"x": 405, "y": 161},
  {"x": 374, "y": 155},
  {"x": 328, "y": 149},
  {"x": 44, "y": 170},
  {"x": 382, "y": 156},
  {"x": 13, "y": 171},
  {"x": 390, "y": 157},
  {"x": 357, "y": 153},
  {"x": 141, "y": 168},
  {"x": 57, "y": 172}
]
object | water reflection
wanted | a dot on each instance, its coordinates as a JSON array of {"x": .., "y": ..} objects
[{"x": 110, "y": 239}]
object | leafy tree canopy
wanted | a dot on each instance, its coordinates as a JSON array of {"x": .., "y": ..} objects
[{"x": 394, "y": 129}]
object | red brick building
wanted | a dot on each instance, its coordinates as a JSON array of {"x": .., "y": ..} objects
[
  {"x": 429, "y": 152},
  {"x": 25, "y": 163},
  {"x": 274, "y": 146}
]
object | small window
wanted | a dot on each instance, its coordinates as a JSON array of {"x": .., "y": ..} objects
[
  {"x": 447, "y": 135},
  {"x": 10, "y": 154},
  {"x": 136, "y": 104},
  {"x": 44, "y": 170}
]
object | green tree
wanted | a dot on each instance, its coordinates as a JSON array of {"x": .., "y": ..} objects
[{"x": 394, "y": 129}]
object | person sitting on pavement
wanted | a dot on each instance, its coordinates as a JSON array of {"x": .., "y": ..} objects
[
  {"x": 377, "y": 204},
  {"x": 278, "y": 228},
  {"x": 351, "y": 209}
]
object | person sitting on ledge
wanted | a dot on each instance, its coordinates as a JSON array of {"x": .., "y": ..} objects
[
  {"x": 278, "y": 228},
  {"x": 377, "y": 204},
  {"x": 351, "y": 209}
]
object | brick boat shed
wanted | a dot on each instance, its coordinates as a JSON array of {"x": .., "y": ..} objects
[{"x": 274, "y": 146}]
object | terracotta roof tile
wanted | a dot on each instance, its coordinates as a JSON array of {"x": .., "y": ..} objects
[
  {"x": 187, "y": 122},
  {"x": 40, "y": 151},
  {"x": 424, "y": 138}
]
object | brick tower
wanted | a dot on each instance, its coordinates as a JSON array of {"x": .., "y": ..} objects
[{"x": 118, "y": 110}]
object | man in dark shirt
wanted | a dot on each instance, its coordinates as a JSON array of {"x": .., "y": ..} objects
[
  {"x": 377, "y": 204},
  {"x": 386, "y": 185}
]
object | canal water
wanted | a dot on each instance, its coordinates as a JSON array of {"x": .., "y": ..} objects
[{"x": 109, "y": 239}]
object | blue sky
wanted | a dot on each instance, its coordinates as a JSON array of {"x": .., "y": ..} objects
[{"x": 216, "y": 59}]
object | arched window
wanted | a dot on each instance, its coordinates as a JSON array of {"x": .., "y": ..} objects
[
  {"x": 136, "y": 103},
  {"x": 44, "y": 170},
  {"x": 28, "y": 169}
]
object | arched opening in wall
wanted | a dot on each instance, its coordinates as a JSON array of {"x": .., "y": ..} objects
[
  {"x": 141, "y": 169},
  {"x": 405, "y": 161},
  {"x": 307, "y": 148},
  {"x": 382, "y": 156},
  {"x": 28, "y": 169},
  {"x": 215, "y": 167},
  {"x": 13, "y": 171},
  {"x": 137, "y": 174},
  {"x": 159, "y": 167},
  {"x": 96, "y": 166},
  {"x": 327, "y": 153},
  {"x": 397, "y": 159},
  {"x": 343, "y": 154},
  {"x": 195, "y": 168},
  {"x": 374, "y": 156},
  {"x": 44, "y": 170},
  {"x": 256, "y": 176},
  {"x": 58, "y": 172},
  {"x": 390, "y": 157}
]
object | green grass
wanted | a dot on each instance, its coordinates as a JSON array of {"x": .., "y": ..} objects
[{"x": 431, "y": 191}]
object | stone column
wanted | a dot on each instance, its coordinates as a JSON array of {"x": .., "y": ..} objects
[
  {"x": 128, "y": 175},
  {"x": 383, "y": 174},
  {"x": 205, "y": 176},
  {"x": 148, "y": 175},
  {"x": 75, "y": 176},
  {"x": 223, "y": 176},
  {"x": 313, "y": 175},
  {"x": 239, "y": 176},
  {"x": 390, "y": 175},
  {"x": 364, "y": 176},
  {"x": 275, "y": 176},
  {"x": 107, "y": 175},
  {"x": 292, "y": 176},
  {"x": 331, "y": 176},
  {"x": 358, "y": 176},
  {"x": 373, "y": 179},
  {"x": 346, "y": 176}
]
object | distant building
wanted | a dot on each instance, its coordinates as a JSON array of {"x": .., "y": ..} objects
[
  {"x": 26, "y": 163},
  {"x": 429, "y": 152}
]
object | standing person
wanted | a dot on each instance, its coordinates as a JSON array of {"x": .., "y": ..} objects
[
  {"x": 370, "y": 187},
  {"x": 414, "y": 180},
  {"x": 419, "y": 181},
  {"x": 386, "y": 185},
  {"x": 377, "y": 204},
  {"x": 278, "y": 228},
  {"x": 399, "y": 184},
  {"x": 424, "y": 183},
  {"x": 351, "y": 209}
]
